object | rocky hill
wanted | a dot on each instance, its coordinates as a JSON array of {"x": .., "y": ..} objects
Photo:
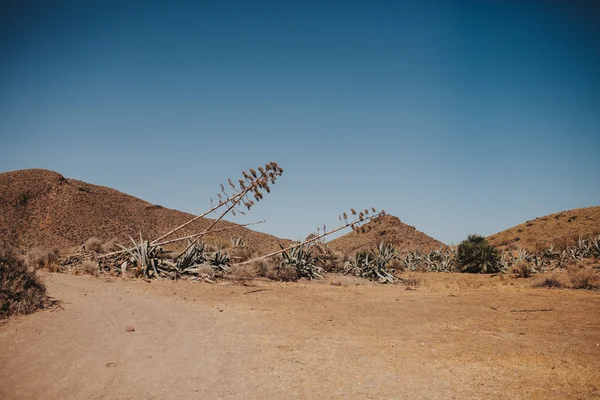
[
  {"x": 560, "y": 229},
  {"x": 389, "y": 229},
  {"x": 43, "y": 208}
]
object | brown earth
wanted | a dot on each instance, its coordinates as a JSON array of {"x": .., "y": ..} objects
[
  {"x": 455, "y": 336},
  {"x": 560, "y": 229},
  {"x": 389, "y": 229},
  {"x": 42, "y": 208}
]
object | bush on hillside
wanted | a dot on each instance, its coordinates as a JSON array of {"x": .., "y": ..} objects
[
  {"x": 21, "y": 292},
  {"x": 476, "y": 255}
]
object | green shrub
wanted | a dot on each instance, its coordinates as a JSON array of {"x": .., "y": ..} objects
[{"x": 476, "y": 255}]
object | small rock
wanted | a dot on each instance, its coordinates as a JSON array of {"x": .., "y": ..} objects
[{"x": 129, "y": 329}]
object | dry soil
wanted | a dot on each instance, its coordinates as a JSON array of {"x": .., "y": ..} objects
[{"x": 455, "y": 336}]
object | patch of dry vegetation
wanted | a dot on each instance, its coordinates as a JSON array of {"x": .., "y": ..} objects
[
  {"x": 583, "y": 278},
  {"x": 548, "y": 282},
  {"x": 47, "y": 258},
  {"x": 21, "y": 292},
  {"x": 412, "y": 281}
]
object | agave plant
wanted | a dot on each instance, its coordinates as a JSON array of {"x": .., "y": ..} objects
[
  {"x": 507, "y": 260},
  {"x": 373, "y": 264},
  {"x": 563, "y": 259},
  {"x": 539, "y": 262},
  {"x": 194, "y": 255},
  {"x": 145, "y": 256},
  {"x": 301, "y": 258},
  {"x": 595, "y": 245},
  {"x": 219, "y": 261},
  {"x": 412, "y": 261},
  {"x": 439, "y": 261},
  {"x": 238, "y": 242},
  {"x": 355, "y": 266}
]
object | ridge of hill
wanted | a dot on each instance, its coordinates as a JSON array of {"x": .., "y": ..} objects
[
  {"x": 42, "y": 208},
  {"x": 559, "y": 229},
  {"x": 389, "y": 229}
]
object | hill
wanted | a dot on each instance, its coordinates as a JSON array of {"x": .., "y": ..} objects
[
  {"x": 43, "y": 208},
  {"x": 389, "y": 229},
  {"x": 558, "y": 229}
]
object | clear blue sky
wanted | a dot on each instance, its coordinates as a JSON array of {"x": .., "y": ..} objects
[{"x": 457, "y": 117}]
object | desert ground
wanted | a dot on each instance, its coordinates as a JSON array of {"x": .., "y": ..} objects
[{"x": 454, "y": 336}]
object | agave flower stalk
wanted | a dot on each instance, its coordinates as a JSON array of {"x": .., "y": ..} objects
[
  {"x": 200, "y": 234},
  {"x": 253, "y": 185},
  {"x": 355, "y": 224}
]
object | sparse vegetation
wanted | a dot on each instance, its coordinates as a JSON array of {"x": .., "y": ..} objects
[
  {"x": 21, "y": 291},
  {"x": 43, "y": 258},
  {"x": 523, "y": 269},
  {"x": 583, "y": 278},
  {"x": 93, "y": 244},
  {"x": 412, "y": 281},
  {"x": 548, "y": 282},
  {"x": 90, "y": 267}
]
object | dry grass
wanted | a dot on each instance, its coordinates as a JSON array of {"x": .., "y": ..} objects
[
  {"x": 43, "y": 258},
  {"x": 93, "y": 244},
  {"x": 548, "y": 282},
  {"x": 20, "y": 290},
  {"x": 241, "y": 254},
  {"x": 90, "y": 267},
  {"x": 272, "y": 269},
  {"x": 412, "y": 281},
  {"x": 242, "y": 272},
  {"x": 583, "y": 278},
  {"x": 523, "y": 269}
]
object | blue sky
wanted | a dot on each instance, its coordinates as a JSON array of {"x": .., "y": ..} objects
[{"x": 457, "y": 117}]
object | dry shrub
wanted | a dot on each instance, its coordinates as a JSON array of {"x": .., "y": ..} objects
[
  {"x": 287, "y": 273},
  {"x": 262, "y": 268},
  {"x": 274, "y": 270},
  {"x": 110, "y": 246},
  {"x": 242, "y": 272},
  {"x": 20, "y": 290},
  {"x": 90, "y": 267},
  {"x": 206, "y": 271},
  {"x": 548, "y": 282},
  {"x": 240, "y": 254},
  {"x": 583, "y": 278},
  {"x": 412, "y": 281},
  {"x": 43, "y": 258},
  {"x": 93, "y": 244},
  {"x": 522, "y": 269},
  {"x": 330, "y": 261}
]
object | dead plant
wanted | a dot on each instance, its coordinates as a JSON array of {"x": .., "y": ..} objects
[{"x": 21, "y": 292}]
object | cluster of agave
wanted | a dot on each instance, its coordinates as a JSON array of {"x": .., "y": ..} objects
[
  {"x": 301, "y": 258},
  {"x": 146, "y": 258},
  {"x": 550, "y": 258},
  {"x": 373, "y": 264},
  {"x": 442, "y": 260}
]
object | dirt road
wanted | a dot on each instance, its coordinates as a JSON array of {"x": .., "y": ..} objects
[{"x": 453, "y": 337}]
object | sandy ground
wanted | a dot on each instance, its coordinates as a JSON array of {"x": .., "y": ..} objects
[{"x": 456, "y": 336}]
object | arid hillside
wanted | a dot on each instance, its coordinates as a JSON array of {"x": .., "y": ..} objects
[
  {"x": 389, "y": 229},
  {"x": 43, "y": 208},
  {"x": 558, "y": 229}
]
